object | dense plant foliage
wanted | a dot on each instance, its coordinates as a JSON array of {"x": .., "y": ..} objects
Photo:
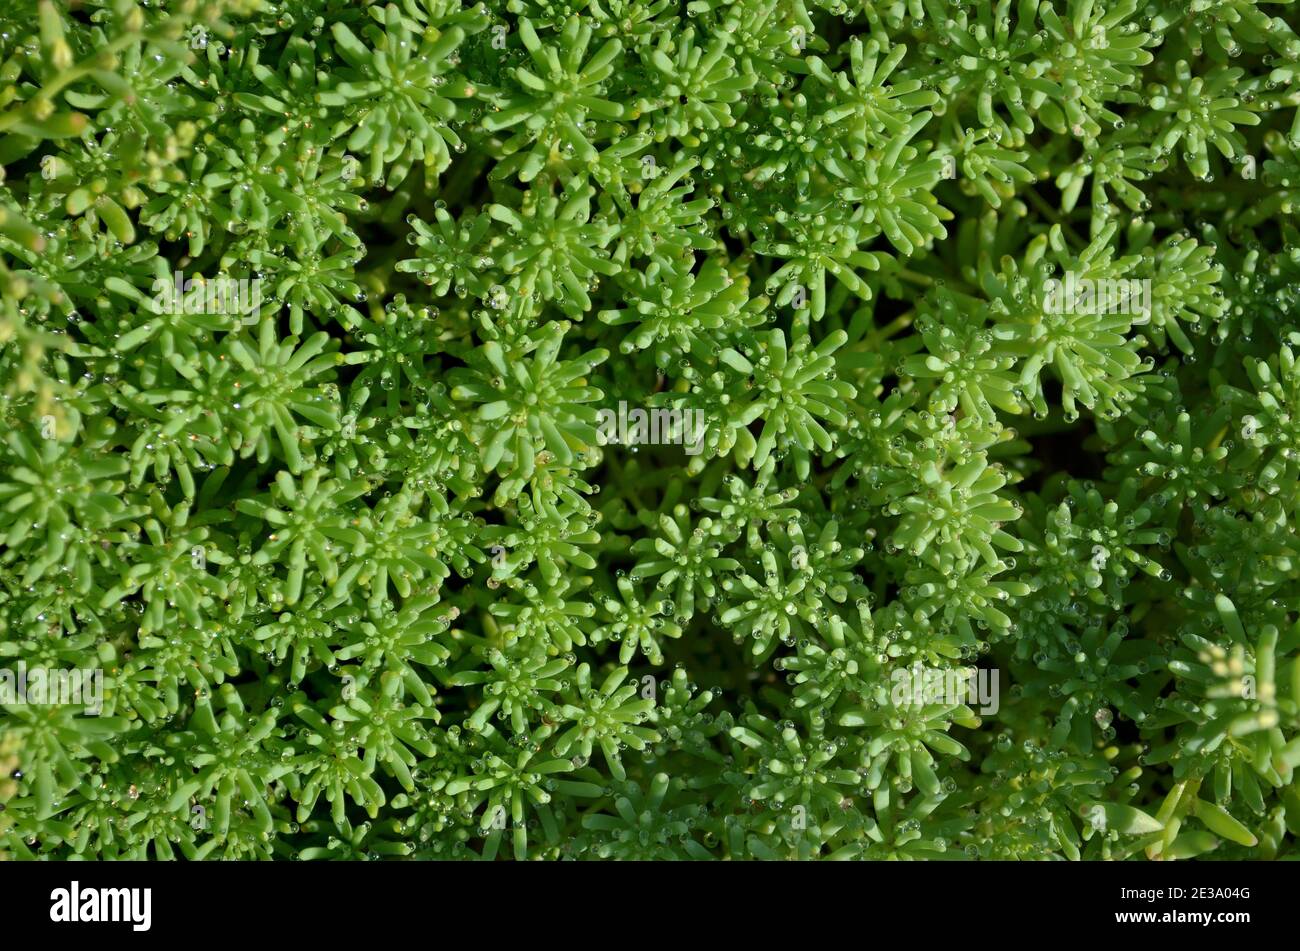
[{"x": 366, "y": 574}]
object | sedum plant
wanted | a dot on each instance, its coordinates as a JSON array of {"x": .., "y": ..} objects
[{"x": 760, "y": 429}]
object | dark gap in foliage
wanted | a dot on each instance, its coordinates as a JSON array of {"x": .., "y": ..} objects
[
  {"x": 1127, "y": 732},
  {"x": 888, "y": 308},
  {"x": 1061, "y": 450},
  {"x": 838, "y": 31},
  {"x": 735, "y": 247},
  {"x": 1059, "y": 446}
]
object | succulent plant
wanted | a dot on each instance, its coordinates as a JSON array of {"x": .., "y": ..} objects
[{"x": 766, "y": 429}]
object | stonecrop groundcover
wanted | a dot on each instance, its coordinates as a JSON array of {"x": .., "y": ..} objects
[{"x": 632, "y": 429}]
